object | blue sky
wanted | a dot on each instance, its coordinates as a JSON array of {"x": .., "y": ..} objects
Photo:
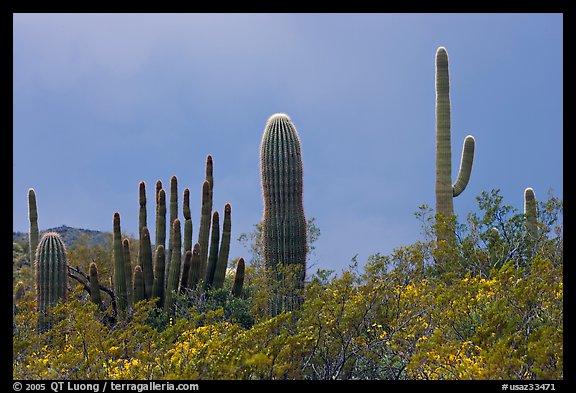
[{"x": 104, "y": 101}]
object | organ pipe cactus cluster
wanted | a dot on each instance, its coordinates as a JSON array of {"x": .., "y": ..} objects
[
  {"x": 51, "y": 276},
  {"x": 445, "y": 190},
  {"x": 284, "y": 224}
]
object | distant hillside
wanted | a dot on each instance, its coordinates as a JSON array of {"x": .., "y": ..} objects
[{"x": 70, "y": 235}]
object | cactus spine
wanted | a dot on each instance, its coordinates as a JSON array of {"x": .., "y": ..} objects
[
  {"x": 223, "y": 253},
  {"x": 213, "y": 257},
  {"x": 238, "y": 278},
  {"x": 445, "y": 191},
  {"x": 158, "y": 285},
  {"x": 139, "y": 293},
  {"x": 284, "y": 224},
  {"x": 95, "y": 295},
  {"x": 531, "y": 213},
  {"x": 33, "y": 217},
  {"x": 119, "y": 267},
  {"x": 51, "y": 275},
  {"x": 174, "y": 266}
]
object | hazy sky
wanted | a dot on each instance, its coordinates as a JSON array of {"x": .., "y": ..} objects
[{"x": 104, "y": 101}]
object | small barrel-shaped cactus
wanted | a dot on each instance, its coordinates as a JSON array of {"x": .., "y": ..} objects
[
  {"x": 223, "y": 253},
  {"x": 51, "y": 275},
  {"x": 19, "y": 291},
  {"x": 33, "y": 218},
  {"x": 238, "y": 279},
  {"x": 95, "y": 295},
  {"x": 174, "y": 267}
]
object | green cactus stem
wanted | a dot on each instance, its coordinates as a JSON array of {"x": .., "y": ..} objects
[
  {"x": 210, "y": 176},
  {"x": 187, "y": 241},
  {"x": 146, "y": 262},
  {"x": 173, "y": 215},
  {"x": 119, "y": 268},
  {"x": 238, "y": 279},
  {"x": 139, "y": 292},
  {"x": 531, "y": 213},
  {"x": 174, "y": 267},
  {"x": 158, "y": 285},
  {"x": 161, "y": 219},
  {"x": 223, "y": 253},
  {"x": 142, "y": 203},
  {"x": 204, "y": 231},
  {"x": 195, "y": 266},
  {"x": 158, "y": 188},
  {"x": 127, "y": 257},
  {"x": 284, "y": 225},
  {"x": 185, "y": 270},
  {"x": 445, "y": 191},
  {"x": 51, "y": 276},
  {"x": 33, "y": 218},
  {"x": 213, "y": 257},
  {"x": 95, "y": 295}
]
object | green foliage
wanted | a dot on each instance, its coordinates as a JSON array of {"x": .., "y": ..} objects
[{"x": 494, "y": 312}]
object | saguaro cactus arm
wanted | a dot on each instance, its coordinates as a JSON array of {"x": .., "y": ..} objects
[{"x": 465, "y": 166}]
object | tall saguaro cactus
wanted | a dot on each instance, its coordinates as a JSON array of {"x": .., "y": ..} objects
[
  {"x": 33, "y": 217},
  {"x": 51, "y": 275},
  {"x": 445, "y": 190},
  {"x": 284, "y": 224}
]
